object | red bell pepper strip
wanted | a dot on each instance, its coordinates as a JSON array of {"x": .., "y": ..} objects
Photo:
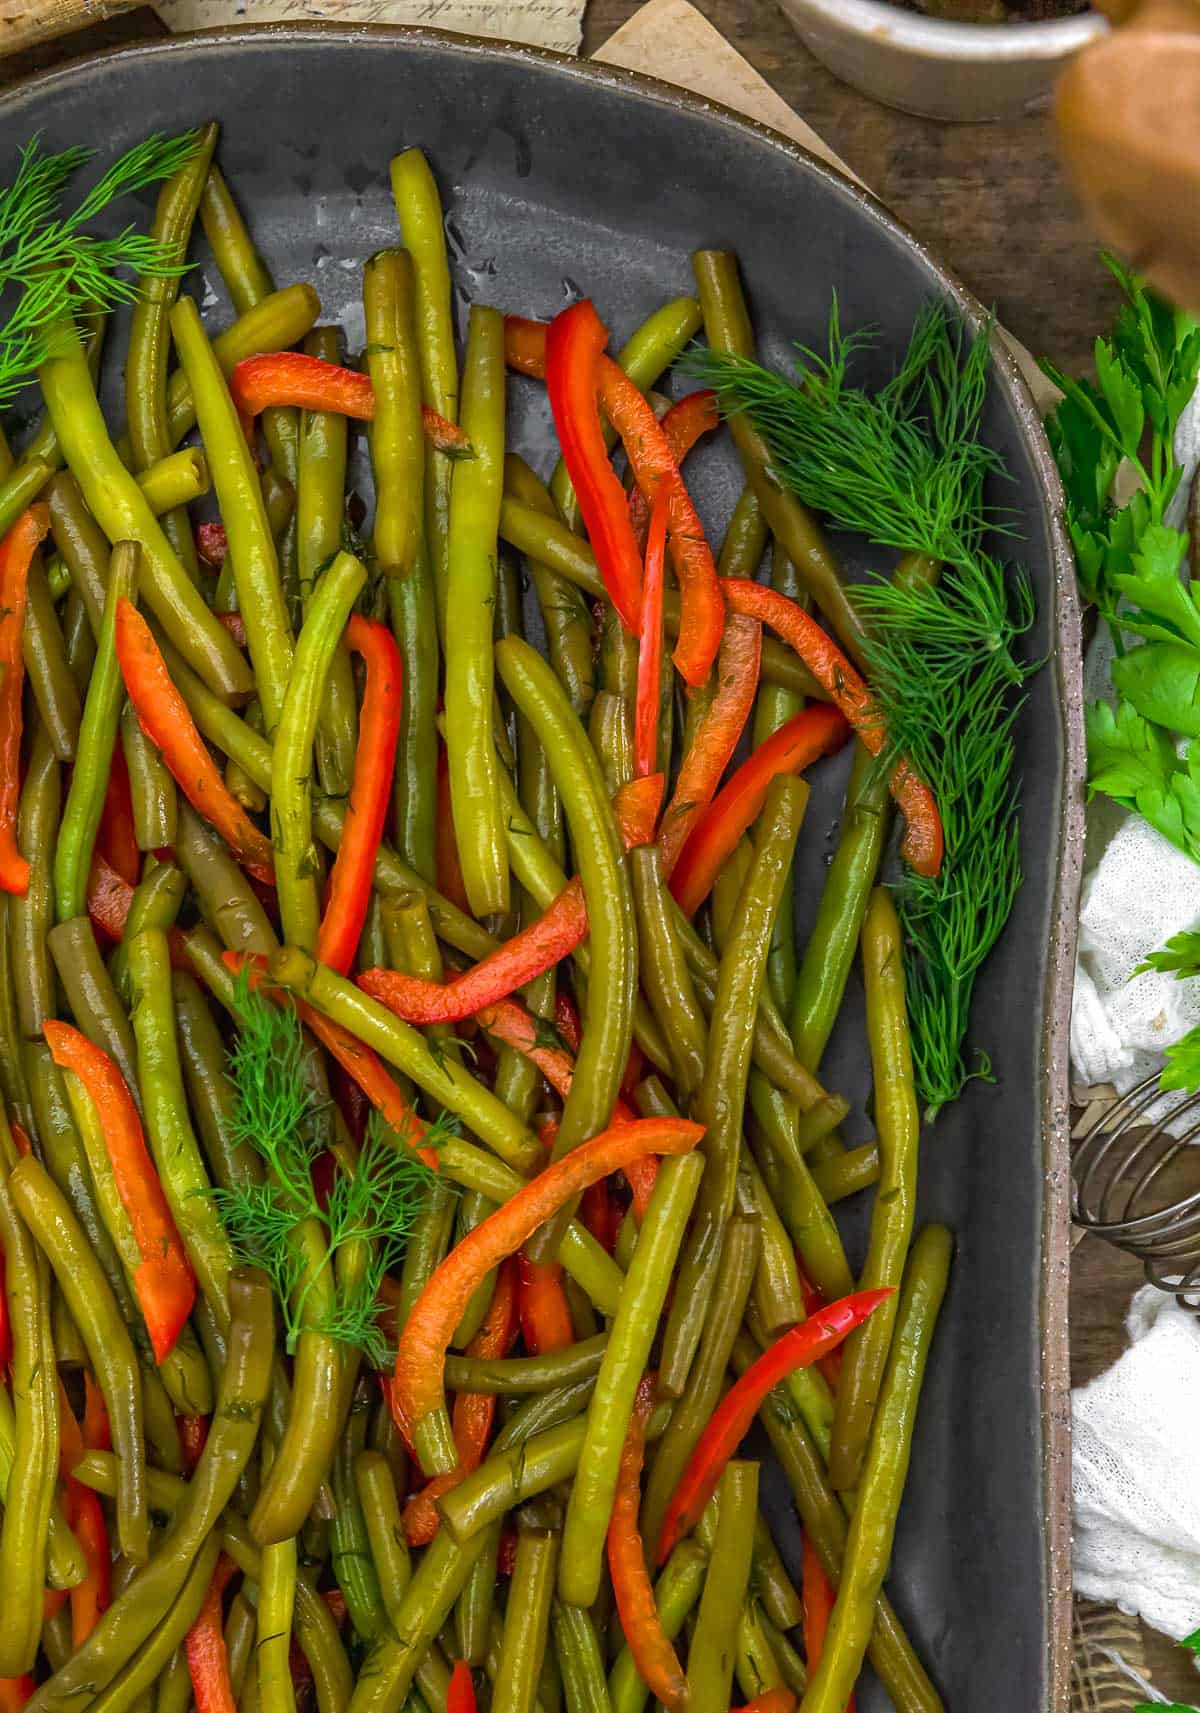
[
  {"x": 781, "y": 1700},
  {"x": 509, "y": 1022},
  {"x": 212, "y": 544},
  {"x": 649, "y": 667},
  {"x": 418, "y": 1386},
  {"x": 814, "y": 1302},
  {"x": 601, "y": 1215},
  {"x": 370, "y": 790},
  {"x": 460, "y": 1697},
  {"x": 208, "y": 1661},
  {"x": 566, "y": 1020},
  {"x": 163, "y": 1281},
  {"x": 922, "y": 844},
  {"x": 636, "y": 805},
  {"x": 715, "y": 739},
  {"x": 528, "y": 954},
  {"x": 16, "y": 551},
  {"x": 817, "y": 1598},
  {"x": 116, "y": 839},
  {"x": 91, "y": 1598},
  {"x": 815, "y": 731},
  {"x": 682, "y": 426},
  {"x": 575, "y": 342},
  {"x": 15, "y": 1692},
  {"x": 542, "y": 1303},
  {"x": 164, "y": 717},
  {"x": 97, "y": 1434},
  {"x": 109, "y": 897},
  {"x": 310, "y": 383},
  {"x": 641, "y": 1176},
  {"x": 193, "y": 1432},
  {"x": 798, "y": 1348},
  {"x": 474, "y": 1412},
  {"x": 653, "y": 1654}
]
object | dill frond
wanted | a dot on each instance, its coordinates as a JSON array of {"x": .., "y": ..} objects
[{"x": 57, "y": 267}]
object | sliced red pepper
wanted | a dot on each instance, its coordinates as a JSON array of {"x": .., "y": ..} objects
[
  {"x": 649, "y": 669},
  {"x": 193, "y": 1432},
  {"x": 575, "y": 342},
  {"x": 310, "y": 383},
  {"x": 716, "y": 737},
  {"x": 682, "y": 426},
  {"x": 208, "y": 1661},
  {"x": 731, "y": 1420},
  {"x": 544, "y": 1311},
  {"x": 91, "y": 1598},
  {"x": 163, "y": 1280},
  {"x": 474, "y": 1412},
  {"x": 506, "y": 1558},
  {"x": 780, "y": 1700},
  {"x": 528, "y": 954},
  {"x": 813, "y": 732},
  {"x": 601, "y": 1215},
  {"x": 814, "y": 1302},
  {"x": 116, "y": 839},
  {"x": 15, "y": 1692},
  {"x": 817, "y": 1596},
  {"x": 164, "y": 717},
  {"x": 21, "y": 1140},
  {"x": 109, "y": 898},
  {"x": 370, "y": 790},
  {"x": 641, "y": 1176},
  {"x": 16, "y": 551},
  {"x": 653, "y": 1654},
  {"x": 566, "y": 1020},
  {"x": 922, "y": 845},
  {"x": 418, "y": 1387},
  {"x": 636, "y": 805},
  {"x": 212, "y": 544},
  {"x": 97, "y": 1434},
  {"x": 460, "y": 1697},
  {"x": 235, "y": 624}
]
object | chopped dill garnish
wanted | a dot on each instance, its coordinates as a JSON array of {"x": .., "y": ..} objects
[
  {"x": 904, "y": 466},
  {"x": 371, "y": 1206}
]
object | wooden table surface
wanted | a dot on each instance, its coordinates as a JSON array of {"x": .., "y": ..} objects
[{"x": 993, "y": 201}]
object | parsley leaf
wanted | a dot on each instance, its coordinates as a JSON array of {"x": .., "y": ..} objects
[{"x": 1135, "y": 764}]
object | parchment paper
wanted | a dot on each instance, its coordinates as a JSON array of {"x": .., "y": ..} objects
[{"x": 540, "y": 23}]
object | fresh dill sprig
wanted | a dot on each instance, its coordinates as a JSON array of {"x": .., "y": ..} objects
[
  {"x": 370, "y": 1208},
  {"x": 903, "y": 465},
  {"x": 55, "y": 266}
]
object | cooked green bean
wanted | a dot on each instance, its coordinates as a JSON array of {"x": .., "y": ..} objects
[
  {"x": 565, "y": 614},
  {"x": 20, "y": 487},
  {"x": 241, "y": 1628},
  {"x": 44, "y": 651},
  {"x": 46, "y": 1212},
  {"x": 210, "y": 1093},
  {"x": 34, "y": 1466},
  {"x": 872, "y": 1526},
  {"x": 844, "y": 1176},
  {"x": 791, "y": 1185},
  {"x": 13, "y": 1085},
  {"x": 778, "y": 1298},
  {"x": 507, "y": 1478},
  {"x": 175, "y": 480},
  {"x": 473, "y": 1209},
  {"x": 624, "y": 1362},
  {"x": 711, "y": 1655},
  {"x": 897, "y": 1128},
  {"x": 664, "y": 973},
  {"x": 773, "y": 707},
  {"x": 131, "y": 1688},
  {"x": 156, "y": 903},
  {"x": 470, "y": 596},
  {"x": 516, "y": 1375},
  {"x": 755, "y": 1666},
  {"x": 320, "y": 506},
  {"x": 173, "y": 1693},
  {"x": 31, "y": 916},
  {"x": 152, "y": 789},
  {"x": 676, "y": 1593},
  {"x": 276, "y": 1607},
  {"x": 389, "y": 1669},
  {"x": 380, "y": 1509},
  {"x": 527, "y": 1620},
  {"x": 239, "y": 495},
  {"x": 291, "y": 767},
  {"x": 93, "y": 999},
  {"x": 580, "y": 1661},
  {"x": 97, "y": 737},
  {"x": 226, "y": 899},
  {"x": 123, "y": 513}
]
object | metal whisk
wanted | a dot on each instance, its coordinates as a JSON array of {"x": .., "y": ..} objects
[{"x": 1118, "y": 1189}]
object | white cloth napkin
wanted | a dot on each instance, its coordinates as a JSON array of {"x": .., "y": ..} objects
[{"x": 1137, "y": 1499}]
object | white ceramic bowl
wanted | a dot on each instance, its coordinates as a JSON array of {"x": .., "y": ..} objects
[{"x": 940, "y": 69}]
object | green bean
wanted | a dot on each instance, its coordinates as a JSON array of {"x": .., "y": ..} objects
[
  {"x": 68, "y": 1345},
  {"x": 413, "y": 948},
  {"x": 156, "y": 902},
  {"x": 150, "y": 337},
  {"x": 470, "y": 595},
  {"x": 380, "y": 1509},
  {"x": 473, "y": 1209},
  {"x": 664, "y": 973},
  {"x": 172, "y": 1141},
  {"x": 780, "y": 1602},
  {"x": 509, "y": 1476},
  {"x": 624, "y": 1362},
  {"x": 580, "y": 1660},
  {"x": 241, "y": 267},
  {"x": 276, "y": 1606},
  {"x": 897, "y": 1127},
  {"x": 419, "y": 208},
  {"x": 778, "y": 1298},
  {"x": 739, "y": 1257},
  {"x": 566, "y": 617},
  {"x": 745, "y": 539},
  {"x": 130, "y": 1690},
  {"x": 20, "y": 488},
  {"x": 790, "y": 1183},
  {"x": 727, "y": 890},
  {"x": 56, "y": 1638},
  {"x": 31, "y": 916},
  {"x": 127, "y": 1625},
  {"x": 676, "y": 1592},
  {"x": 241, "y": 1628},
  {"x": 612, "y": 739},
  {"x": 123, "y": 513},
  {"x": 844, "y": 1176},
  {"x": 155, "y": 805},
  {"x": 174, "y": 1690},
  {"x": 711, "y": 1655},
  {"x": 397, "y": 437},
  {"x": 210, "y": 1093},
  {"x": 527, "y": 1621},
  {"x": 722, "y": 1093},
  {"x": 47, "y": 1213},
  {"x": 291, "y": 767},
  {"x": 517, "y": 1375},
  {"x": 608, "y": 1019},
  {"x": 279, "y": 496},
  {"x": 650, "y": 350},
  {"x": 226, "y": 899},
  {"x": 13, "y": 1085},
  {"x": 727, "y": 328},
  {"x": 45, "y": 656},
  {"x": 773, "y": 707},
  {"x": 755, "y": 1666},
  {"x": 174, "y": 480},
  {"x": 34, "y": 1468},
  {"x": 91, "y": 995},
  {"x": 821, "y": 981},
  {"x": 97, "y": 736},
  {"x": 239, "y": 495},
  {"x": 389, "y": 1669},
  {"x": 320, "y": 505}
]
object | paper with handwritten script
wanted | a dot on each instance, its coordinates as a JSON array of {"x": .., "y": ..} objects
[{"x": 540, "y": 23}]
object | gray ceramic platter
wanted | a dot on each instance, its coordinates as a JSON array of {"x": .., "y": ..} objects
[{"x": 561, "y": 177}]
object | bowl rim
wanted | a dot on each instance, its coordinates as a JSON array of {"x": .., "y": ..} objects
[
  {"x": 888, "y": 25},
  {"x": 1066, "y": 664}
]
